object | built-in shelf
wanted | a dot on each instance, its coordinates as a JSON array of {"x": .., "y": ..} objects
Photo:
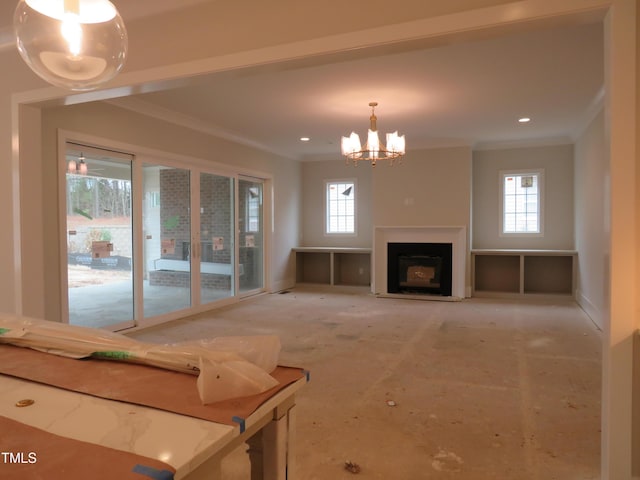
[
  {"x": 523, "y": 272},
  {"x": 333, "y": 266}
]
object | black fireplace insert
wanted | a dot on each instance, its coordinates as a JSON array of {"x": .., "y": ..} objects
[{"x": 419, "y": 268}]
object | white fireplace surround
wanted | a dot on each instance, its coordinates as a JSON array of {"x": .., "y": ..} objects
[{"x": 456, "y": 236}]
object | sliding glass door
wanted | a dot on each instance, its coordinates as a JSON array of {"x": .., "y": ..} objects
[
  {"x": 217, "y": 239},
  {"x": 251, "y": 235},
  {"x": 147, "y": 240},
  {"x": 167, "y": 249},
  {"x": 99, "y": 238}
]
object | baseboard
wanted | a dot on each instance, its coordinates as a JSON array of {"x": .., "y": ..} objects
[
  {"x": 593, "y": 312},
  {"x": 282, "y": 285},
  {"x": 468, "y": 291}
]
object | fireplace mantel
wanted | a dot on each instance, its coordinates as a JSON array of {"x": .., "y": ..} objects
[{"x": 455, "y": 235}]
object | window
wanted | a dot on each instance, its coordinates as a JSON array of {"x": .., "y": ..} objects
[
  {"x": 341, "y": 207},
  {"x": 154, "y": 199},
  {"x": 254, "y": 202},
  {"x": 521, "y": 207}
]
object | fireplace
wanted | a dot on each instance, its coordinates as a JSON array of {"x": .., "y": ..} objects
[
  {"x": 419, "y": 268},
  {"x": 456, "y": 236}
]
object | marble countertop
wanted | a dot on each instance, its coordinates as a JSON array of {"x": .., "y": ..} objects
[{"x": 180, "y": 441}]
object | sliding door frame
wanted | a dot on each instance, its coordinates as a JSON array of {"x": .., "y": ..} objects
[{"x": 196, "y": 166}]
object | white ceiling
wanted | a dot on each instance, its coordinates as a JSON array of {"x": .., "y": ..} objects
[{"x": 459, "y": 94}]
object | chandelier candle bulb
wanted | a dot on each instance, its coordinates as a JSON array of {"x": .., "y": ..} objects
[{"x": 373, "y": 143}]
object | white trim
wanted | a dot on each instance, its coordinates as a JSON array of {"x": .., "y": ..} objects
[
  {"x": 621, "y": 322},
  {"x": 62, "y": 222},
  {"x": 268, "y": 217},
  {"x": 456, "y": 235},
  {"x": 263, "y": 229},
  {"x": 593, "y": 312},
  {"x": 529, "y": 143},
  {"x": 137, "y": 228},
  {"x": 195, "y": 258}
]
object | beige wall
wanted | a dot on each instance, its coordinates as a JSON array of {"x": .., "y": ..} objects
[
  {"x": 592, "y": 215},
  {"x": 124, "y": 127},
  {"x": 314, "y": 174},
  {"x": 430, "y": 188},
  {"x": 557, "y": 163}
]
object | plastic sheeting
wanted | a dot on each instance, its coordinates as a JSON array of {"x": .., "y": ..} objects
[{"x": 227, "y": 367}]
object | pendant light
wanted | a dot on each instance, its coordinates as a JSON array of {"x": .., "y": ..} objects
[
  {"x": 78, "y": 167},
  {"x": 74, "y": 44},
  {"x": 374, "y": 150}
]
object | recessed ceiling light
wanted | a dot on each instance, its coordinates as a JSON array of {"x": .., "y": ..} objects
[
  {"x": 524, "y": 120},
  {"x": 304, "y": 139}
]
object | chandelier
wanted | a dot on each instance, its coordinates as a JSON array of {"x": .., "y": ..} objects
[
  {"x": 79, "y": 167},
  {"x": 74, "y": 44},
  {"x": 373, "y": 150}
]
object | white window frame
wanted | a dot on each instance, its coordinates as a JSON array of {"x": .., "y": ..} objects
[
  {"x": 327, "y": 183},
  {"x": 539, "y": 172}
]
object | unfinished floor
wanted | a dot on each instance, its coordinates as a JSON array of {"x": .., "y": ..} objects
[{"x": 483, "y": 389}]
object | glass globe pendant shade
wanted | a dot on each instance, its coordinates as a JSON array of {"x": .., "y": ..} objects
[{"x": 74, "y": 44}]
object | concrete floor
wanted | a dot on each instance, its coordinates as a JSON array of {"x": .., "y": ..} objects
[
  {"x": 484, "y": 389},
  {"x": 103, "y": 305}
]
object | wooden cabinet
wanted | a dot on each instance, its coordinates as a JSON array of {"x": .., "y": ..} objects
[
  {"x": 523, "y": 272},
  {"x": 333, "y": 266}
]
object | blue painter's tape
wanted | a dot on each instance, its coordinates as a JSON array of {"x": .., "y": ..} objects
[
  {"x": 153, "y": 472},
  {"x": 239, "y": 421}
]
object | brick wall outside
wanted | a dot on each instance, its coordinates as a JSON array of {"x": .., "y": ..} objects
[
  {"x": 215, "y": 221},
  {"x": 174, "y": 210},
  {"x": 183, "y": 279}
]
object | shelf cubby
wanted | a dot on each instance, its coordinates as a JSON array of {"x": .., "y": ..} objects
[
  {"x": 333, "y": 266},
  {"x": 523, "y": 272}
]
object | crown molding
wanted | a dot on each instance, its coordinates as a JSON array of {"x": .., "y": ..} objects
[
  {"x": 525, "y": 143},
  {"x": 160, "y": 113},
  {"x": 593, "y": 109}
]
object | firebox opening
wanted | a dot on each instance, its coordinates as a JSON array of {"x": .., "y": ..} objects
[{"x": 419, "y": 268}]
